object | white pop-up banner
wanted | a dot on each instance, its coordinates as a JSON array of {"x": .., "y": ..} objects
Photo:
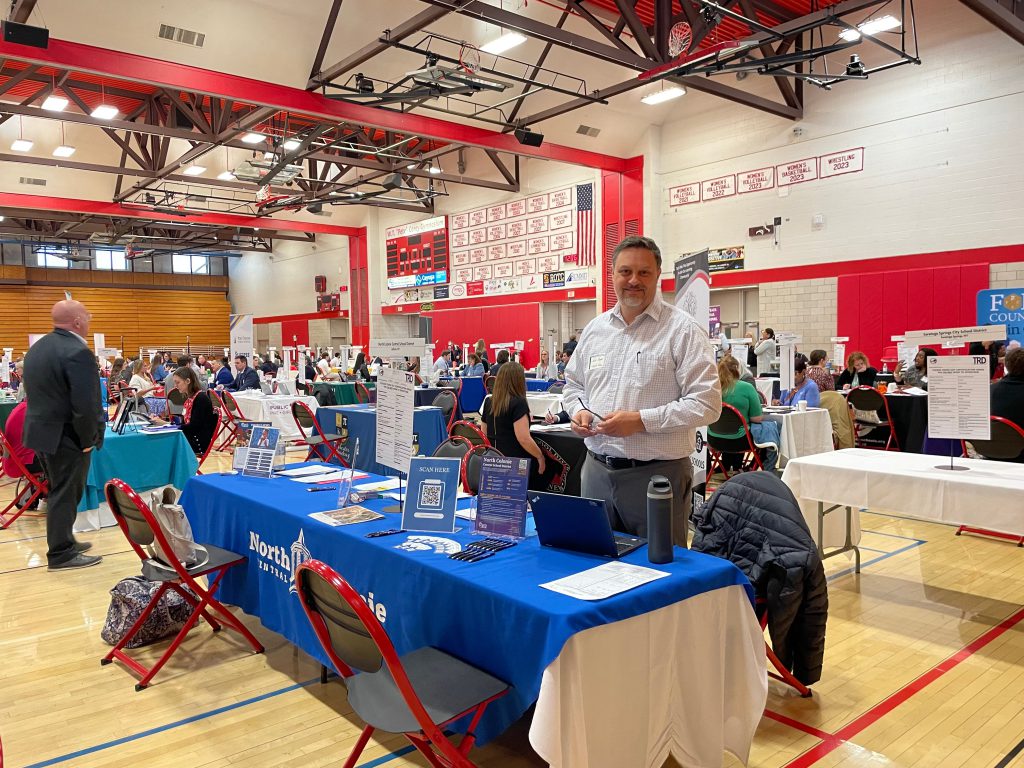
[{"x": 241, "y": 336}]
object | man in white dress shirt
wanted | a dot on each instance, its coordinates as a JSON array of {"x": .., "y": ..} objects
[{"x": 639, "y": 384}]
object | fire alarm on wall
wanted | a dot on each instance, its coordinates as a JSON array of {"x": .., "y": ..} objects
[{"x": 320, "y": 283}]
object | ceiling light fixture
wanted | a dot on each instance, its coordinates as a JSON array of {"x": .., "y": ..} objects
[
  {"x": 63, "y": 151},
  {"x": 871, "y": 27},
  {"x": 226, "y": 176},
  {"x": 55, "y": 104},
  {"x": 664, "y": 94},
  {"x": 434, "y": 170},
  {"x": 104, "y": 112},
  {"x": 194, "y": 170},
  {"x": 254, "y": 138},
  {"x": 506, "y": 42},
  {"x": 21, "y": 145},
  {"x": 291, "y": 145}
]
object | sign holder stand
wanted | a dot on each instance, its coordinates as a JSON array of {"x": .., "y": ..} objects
[{"x": 400, "y": 506}]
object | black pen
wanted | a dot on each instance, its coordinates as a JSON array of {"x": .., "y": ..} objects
[{"x": 326, "y": 488}]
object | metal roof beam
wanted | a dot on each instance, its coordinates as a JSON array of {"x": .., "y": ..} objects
[{"x": 1001, "y": 18}]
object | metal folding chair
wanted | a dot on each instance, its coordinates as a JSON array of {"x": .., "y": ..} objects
[
  {"x": 1005, "y": 443},
  {"x": 448, "y": 403},
  {"x": 472, "y": 463},
  {"x": 315, "y": 437},
  {"x": 29, "y": 487},
  {"x": 141, "y": 529},
  {"x": 416, "y": 694},
  {"x": 469, "y": 431},
  {"x": 453, "y": 448},
  {"x": 233, "y": 414},
  {"x": 489, "y": 384},
  {"x": 362, "y": 393},
  {"x": 730, "y": 421},
  {"x": 175, "y": 402},
  {"x": 870, "y": 399},
  {"x": 781, "y": 674}
]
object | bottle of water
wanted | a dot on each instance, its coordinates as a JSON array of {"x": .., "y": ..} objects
[{"x": 659, "y": 520}]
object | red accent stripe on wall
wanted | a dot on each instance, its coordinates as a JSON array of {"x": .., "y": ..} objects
[
  {"x": 300, "y": 316},
  {"x": 544, "y": 297}
]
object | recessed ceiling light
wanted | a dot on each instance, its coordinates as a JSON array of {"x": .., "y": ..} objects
[
  {"x": 663, "y": 95},
  {"x": 55, "y": 104},
  {"x": 226, "y": 176},
  {"x": 504, "y": 43},
  {"x": 194, "y": 170},
  {"x": 254, "y": 138},
  {"x": 291, "y": 145},
  {"x": 104, "y": 112},
  {"x": 435, "y": 170},
  {"x": 63, "y": 151},
  {"x": 21, "y": 145}
]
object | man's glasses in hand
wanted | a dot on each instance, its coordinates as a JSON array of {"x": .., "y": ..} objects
[{"x": 583, "y": 405}]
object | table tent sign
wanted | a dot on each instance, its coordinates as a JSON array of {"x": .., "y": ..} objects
[
  {"x": 431, "y": 495},
  {"x": 501, "y": 501},
  {"x": 259, "y": 458}
]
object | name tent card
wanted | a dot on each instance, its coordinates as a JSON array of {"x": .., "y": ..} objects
[
  {"x": 259, "y": 458},
  {"x": 501, "y": 500},
  {"x": 431, "y": 495}
]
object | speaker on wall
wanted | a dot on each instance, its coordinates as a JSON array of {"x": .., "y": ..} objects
[
  {"x": 528, "y": 138},
  {"x": 23, "y": 34},
  {"x": 320, "y": 283}
]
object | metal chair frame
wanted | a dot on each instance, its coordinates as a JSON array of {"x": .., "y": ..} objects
[
  {"x": 447, "y": 394},
  {"x": 36, "y": 485},
  {"x": 475, "y": 456},
  {"x": 1007, "y": 445},
  {"x": 864, "y": 394},
  {"x": 717, "y": 446},
  {"x": 315, "y": 437}
]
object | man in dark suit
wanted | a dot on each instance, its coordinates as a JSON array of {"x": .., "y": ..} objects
[
  {"x": 221, "y": 372},
  {"x": 64, "y": 423},
  {"x": 246, "y": 378},
  {"x": 1008, "y": 392}
]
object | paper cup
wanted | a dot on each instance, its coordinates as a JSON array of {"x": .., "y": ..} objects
[{"x": 802, "y": 405}]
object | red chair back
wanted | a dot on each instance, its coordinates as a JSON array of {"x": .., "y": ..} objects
[
  {"x": 469, "y": 431},
  {"x": 472, "y": 463},
  {"x": 36, "y": 485},
  {"x": 1006, "y": 441},
  {"x": 362, "y": 393},
  {"x": 731, "y": 420}
]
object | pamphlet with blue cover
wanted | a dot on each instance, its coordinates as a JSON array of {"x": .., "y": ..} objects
[
  {"x": 501, "y": 500},
  {"x": 431, "y": 495},
  {"x": 259, "y": 458}
]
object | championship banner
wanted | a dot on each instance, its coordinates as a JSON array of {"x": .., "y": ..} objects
[
  {"x": 241, "y": 336},
  {"x": 693, "y": 296}
]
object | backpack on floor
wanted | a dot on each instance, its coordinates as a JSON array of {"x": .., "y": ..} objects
[{"x": 129, "y": 598}]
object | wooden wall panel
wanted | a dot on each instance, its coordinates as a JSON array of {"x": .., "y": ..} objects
[{"x": 144, "y": 318}]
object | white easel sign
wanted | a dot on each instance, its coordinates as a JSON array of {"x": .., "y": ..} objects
[{"x": 958, "y": 397}]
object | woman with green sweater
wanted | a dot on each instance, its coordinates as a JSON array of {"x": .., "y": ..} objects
[{"x": 744, "y": 398}]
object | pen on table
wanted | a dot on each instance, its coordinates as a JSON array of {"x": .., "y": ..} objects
[{"x": 325, "y": 488}]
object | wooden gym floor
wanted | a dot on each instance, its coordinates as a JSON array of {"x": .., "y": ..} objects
[{"x": 924, "y": 666}]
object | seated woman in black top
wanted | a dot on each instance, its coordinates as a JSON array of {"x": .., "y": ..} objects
[
  {"x": 199, "y": 420},
  {"x": 507, "y": 416},
  {"x": 360, "y": 369},
  {"x": 858, "y": 373}
]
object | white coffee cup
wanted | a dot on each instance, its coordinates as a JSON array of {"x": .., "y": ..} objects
[{"x": 801, "y": 405}]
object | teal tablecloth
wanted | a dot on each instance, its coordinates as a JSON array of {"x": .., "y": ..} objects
[
  {"x": 142, "y": 460},
  {"x": 5, "y": 411}
]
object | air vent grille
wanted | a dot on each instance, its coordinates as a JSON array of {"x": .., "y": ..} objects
[
  {"x": 32, "y": 182},
  {"x": 184, "y": 36},
  {"x": 586, "y": 130}
]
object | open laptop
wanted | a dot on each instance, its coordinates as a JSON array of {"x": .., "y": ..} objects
[{"x": 579, "y": 525}]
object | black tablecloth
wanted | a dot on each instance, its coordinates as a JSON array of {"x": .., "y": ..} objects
[
  {"x": 569, "y": 452},
  {"x": 910, "y": 421}
]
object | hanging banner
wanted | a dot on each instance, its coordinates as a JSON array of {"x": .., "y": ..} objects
[
  {"x": 1003, "y": 306},
  {"x": 241, "y": 336},
  {"x": 725, "y": 259},
  {"x": 693, "y": 296}
]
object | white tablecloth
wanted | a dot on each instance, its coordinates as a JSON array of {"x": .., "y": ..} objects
[
  {"x": 277, "y": 409},
  {"x": 990, "y": 494},
  {"x": 766, "y": 387},
  {"x": 285, "y": 387},
  {"x": 688, "y": 680},
  {"x": 542, "y": 402},
  {"x": 804, "y": 433}
]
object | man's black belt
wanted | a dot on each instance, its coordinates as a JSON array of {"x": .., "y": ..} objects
[{"x": 617, "y": 462}]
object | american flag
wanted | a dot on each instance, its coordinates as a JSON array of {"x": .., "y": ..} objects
[{"x": 586, "y": 256}]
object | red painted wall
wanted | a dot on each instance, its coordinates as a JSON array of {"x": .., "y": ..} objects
[
  {"x": 297, "y": 328},
  {"x": 517, "y": 322},
  {"x": 873, "y": 307}
]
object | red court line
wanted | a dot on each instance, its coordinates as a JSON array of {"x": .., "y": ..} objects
[
  {"x": 804, "y": 727},
  {"x": 884, "y": 707}
]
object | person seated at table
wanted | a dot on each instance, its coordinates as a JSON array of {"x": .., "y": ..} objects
[
  {"x": 562, "y": 417},
  {"x": 323, "y": 365},
  {"x": 816, "y": 371},
  {"x": 199, "y": 422},
  {"x": 360, "y": 369},
  {"x": 473, "y": 366},
  {"x": 14, "y": 429},
  {"x": 204, "y": 365},
  {"x": 221, "y": 373},
  {"x": 1008, "y": 393},
  {"x": 141, "y": 381},
  {"x": 502, "y": 359},
  {"x": 159, "y": 369},
  {"x": 545, "y": 368},
  {"x": 507, "y": 416},
  {"x": 481, "y": 354},
  {"x": 443, "y": 364},
  {"x": 188, "y": 362},
  {"x": 804, "y": 390},
  {"x": 563, "y": 361},
  {"x": 858, "y": 372},
  {"x": 915, "y": 375},
  {"x": 269, "y": 367},
  {"x": 245, "y": 377},
  {"x": 743, "y": 396},
  {"x": 116, "y": 370}
]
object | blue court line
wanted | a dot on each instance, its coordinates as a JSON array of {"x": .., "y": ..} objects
[
  {"x": 891, "y": 535},
  {"x": 917, "y": 543},
  {"x": 27, "y": 538},
  {"x": 169, "y": 726}
]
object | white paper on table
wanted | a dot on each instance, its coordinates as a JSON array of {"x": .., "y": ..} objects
[
  {"x": 302, "y": 471},
  {"x": 378, "y": 485},
  {"x": 324, "y": 477},
  {"x": 913, "y": 391},
  {"x": 551, "y": 428},
  {"x": 604, "y": 581}
]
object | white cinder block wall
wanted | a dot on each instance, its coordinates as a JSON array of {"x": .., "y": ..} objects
[
  {"x": 1006, "y": 275},
  {"x": 807, "y": 307}
]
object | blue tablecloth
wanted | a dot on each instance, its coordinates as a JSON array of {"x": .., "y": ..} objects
[
  {"x": 538, "y": 385},
  {"x": 492, "y": 613},
  {"x": 471, "y": 398},
  {"x": 142, "y": 460},
  {"x": 428, "y": 425}
]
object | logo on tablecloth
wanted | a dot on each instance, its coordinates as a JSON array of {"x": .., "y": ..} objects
[
  {"x": 437, "y": 544},
  {"x": 558, "y": 482},
  {"x": 278, "y": 561},
  {"x": 300, "y": 554}
]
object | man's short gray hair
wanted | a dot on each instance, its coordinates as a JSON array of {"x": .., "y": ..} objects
[{"x": 636, "y": 241}]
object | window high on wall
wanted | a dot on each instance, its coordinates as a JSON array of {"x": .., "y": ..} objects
[
  {"x": 51, "y": 258},
  {"x": 186, "y": 263},
  {"x": 109, "y": 259}
]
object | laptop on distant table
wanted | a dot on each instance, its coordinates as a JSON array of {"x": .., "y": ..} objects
[{"x": 579, "y": 525}]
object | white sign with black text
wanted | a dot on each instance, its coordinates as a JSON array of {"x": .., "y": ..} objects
[
  {"x": 958, "y": 397},
  {"x": 395, "y": 405}
]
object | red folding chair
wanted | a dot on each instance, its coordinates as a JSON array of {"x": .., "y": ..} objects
[
  {"x": 472, "y": 463},
  {"x": 447, "y": 401},
  {"x": 232, "y": 415},
  {"x": 29, "y": 487},
  {"x": 453, "y": 448},
  {"x": 209, "y": 450},
  {"x": 469, "y": 431},
  {"x": 869, "y": 399},
  {"x": 489, "y": 384},
  {"x": 1005, "y": 443},
  {"x": 315, "y": 437},
  {"x": 781, "y": 674},
  {"x": 362, "y": 393},
  {"x": 730, "y": 421},
  {"x": 142, "y": 529},
  {"x": 390, "y": 691}
]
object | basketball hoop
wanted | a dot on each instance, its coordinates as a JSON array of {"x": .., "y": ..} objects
[
  {"x": 262, "y": 194},
  {"x": 679, "y": 38},
  {"x": 469, "y": 58}
]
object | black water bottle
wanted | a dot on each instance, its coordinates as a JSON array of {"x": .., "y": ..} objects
[{"x": 659, "y": 520}]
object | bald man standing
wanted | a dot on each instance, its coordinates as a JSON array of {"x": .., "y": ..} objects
[{"x": 64, "y": 423}]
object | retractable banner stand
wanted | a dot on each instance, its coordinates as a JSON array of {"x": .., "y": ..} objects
[
  {"x": 241, "y": 336},
  {"x": 693, "y": 296}
]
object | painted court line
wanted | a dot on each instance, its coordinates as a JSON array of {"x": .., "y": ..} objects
[
  {"x": 887, "y": 705},
  {"x": 170, "y": 726}
]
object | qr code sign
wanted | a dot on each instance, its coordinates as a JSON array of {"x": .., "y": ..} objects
[{"x": 431, "y": 492}]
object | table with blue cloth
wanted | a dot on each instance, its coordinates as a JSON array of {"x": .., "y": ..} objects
[
  {"x": 359, "y": 423},
  {"x": 538, "y": 385},
  {"x": 673, "y": 666},
  {"x": 427, "y": 395},
  {"x": 471, "y": 396},
  {"x": 143, "y": 460}
]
